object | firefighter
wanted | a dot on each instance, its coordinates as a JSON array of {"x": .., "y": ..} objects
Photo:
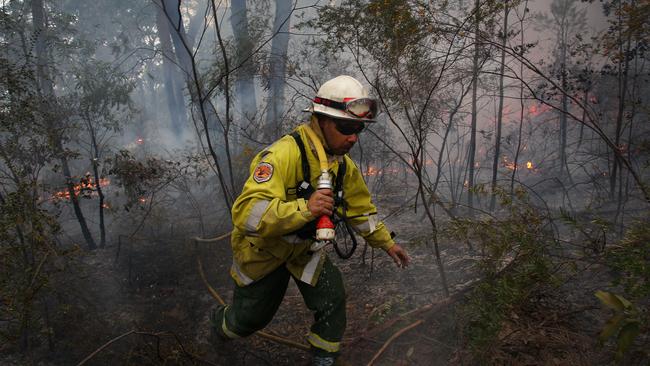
[{"x": 273, "y": 219}]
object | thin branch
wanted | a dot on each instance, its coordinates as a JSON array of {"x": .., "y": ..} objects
[
  {"x": 392, "y": 338},
  {"x": 104, "y": 346}
]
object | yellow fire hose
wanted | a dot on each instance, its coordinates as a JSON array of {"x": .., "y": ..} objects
[{"x": 320, "y": 151}]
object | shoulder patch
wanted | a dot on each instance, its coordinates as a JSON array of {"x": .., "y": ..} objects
[{"x": 263, "y": 172}]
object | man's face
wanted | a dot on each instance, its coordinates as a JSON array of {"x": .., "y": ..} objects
[{"x": 338, "y": 142}]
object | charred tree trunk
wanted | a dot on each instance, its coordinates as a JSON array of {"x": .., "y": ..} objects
[
  {"x": 522, "y": 106},
  {"x": 563, "y": 115},
  {"x": 74, "y": 198},
  {"x": 497, "y": 138},
  {"x": 583, "y": 120},
  {"x": 622, "y": 93},
  {"x": 472, "y": 142},
  {"x": 95, "y": 155}
]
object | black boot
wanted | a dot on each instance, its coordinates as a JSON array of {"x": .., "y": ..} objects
[{"x": 217, "y": 338}]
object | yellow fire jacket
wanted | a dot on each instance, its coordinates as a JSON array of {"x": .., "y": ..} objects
[{"x": 268, "y": 211}]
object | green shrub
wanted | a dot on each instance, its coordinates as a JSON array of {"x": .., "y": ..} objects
[
  {"x": 514, "y": 266},
  {"x": 630, "y": 258},
  {"x": 630, "y": 261}
]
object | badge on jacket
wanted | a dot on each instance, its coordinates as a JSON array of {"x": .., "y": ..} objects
[{"x": 263, "y": 172}]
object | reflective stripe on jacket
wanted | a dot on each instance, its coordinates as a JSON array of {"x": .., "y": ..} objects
[{"x": 266, "y": 214}]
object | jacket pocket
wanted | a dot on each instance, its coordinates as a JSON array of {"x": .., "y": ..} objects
[{"x": 271, "y": 247}]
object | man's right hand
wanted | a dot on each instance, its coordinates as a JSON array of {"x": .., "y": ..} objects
[{"x": 321, "y": 202}]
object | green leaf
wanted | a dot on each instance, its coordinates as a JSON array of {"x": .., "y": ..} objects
[
  {"x": 610, "y": 300},
  {"x": 626, "y": 304},
  {"x": 626, "y": 337},
  {"x": 612, "y": 325}
]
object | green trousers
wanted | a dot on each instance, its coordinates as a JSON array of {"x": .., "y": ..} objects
[{"x": 254, "y": 306}]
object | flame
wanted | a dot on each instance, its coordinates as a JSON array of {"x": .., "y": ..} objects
[
  {"x": 139, "y": 141},
  {"x": 142, "y": 200},
  {"x": 87, "y": 183},
  {"x": 510, "y": 165},
  {"x": 535, "y": 110},
  {"x": 372, "y": 171}
]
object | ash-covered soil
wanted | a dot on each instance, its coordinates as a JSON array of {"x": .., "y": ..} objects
[{"x": 149, "y": 306}]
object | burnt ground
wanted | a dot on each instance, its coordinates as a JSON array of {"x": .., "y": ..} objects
[{"x": 149, "y": 306}]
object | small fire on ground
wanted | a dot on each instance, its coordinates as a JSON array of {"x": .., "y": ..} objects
[
  {"x": 510, "y": 165},
  {"x": 372, "y": 171},
  {"x": 86, "y": 185}
]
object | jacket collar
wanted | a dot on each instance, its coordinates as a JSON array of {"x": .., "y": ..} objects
[{"x": 313, "y": 123}]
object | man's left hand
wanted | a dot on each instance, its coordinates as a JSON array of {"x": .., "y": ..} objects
[{"x": 399, "y": 255}]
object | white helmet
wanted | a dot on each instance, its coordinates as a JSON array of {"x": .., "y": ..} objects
[{"x": 344, "y": 97}]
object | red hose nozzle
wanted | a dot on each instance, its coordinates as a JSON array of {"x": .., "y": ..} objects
[
  {"x": 324, "y": 222},
  {"x": 325, "y": 228}
]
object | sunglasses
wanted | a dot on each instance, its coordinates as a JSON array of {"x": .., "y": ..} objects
[
  {"x": 360, "y": 107},
  {"x": 348, "y": 128}
]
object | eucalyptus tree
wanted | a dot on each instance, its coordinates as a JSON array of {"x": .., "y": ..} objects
[
  {"x": 27, "y": 229},
  {"x": 482, "y": 26},
  {"x": 201, "y": 93},
  {"x": 476, "y": 66},
  {"x": 37, "y": 125},
  {"x": 244, "y": 45},
  {"x": 210, "y": 87},
  {"x": 173, "y": 82},
  {"x": 57, "y": 113},
  {"x": 405, "y": 53},
  {"x": 103, "y": 103},
  {"x": 545, "y": 88},
  {"x": 566, "y": 20},
  {"x": 625, "y": 43},
  {"x": 277, "y": 66},
  {"x": 507, "y": 6}
]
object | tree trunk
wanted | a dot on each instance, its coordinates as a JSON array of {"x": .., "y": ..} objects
[
  {"x": 75, "y": 203},
  {"x": 172, "y": 85},
  {"x": 622, "y": 91},
  {"x": 171, "y": 11},
  {"x": 95, "y": 163},
  {"x": 472, "y": 143},
  {"x": 418, "y": 169},
  {"x": 245, "y": 81},
  {"x": 277, "y": 67},
  {"x": 497, "y": 138},
  {"x": 583, "y": 121},
  {"x": 563, "y": 117},
  {"x": 522, "y": 106},
  {"x": 199, "y": 96}
]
